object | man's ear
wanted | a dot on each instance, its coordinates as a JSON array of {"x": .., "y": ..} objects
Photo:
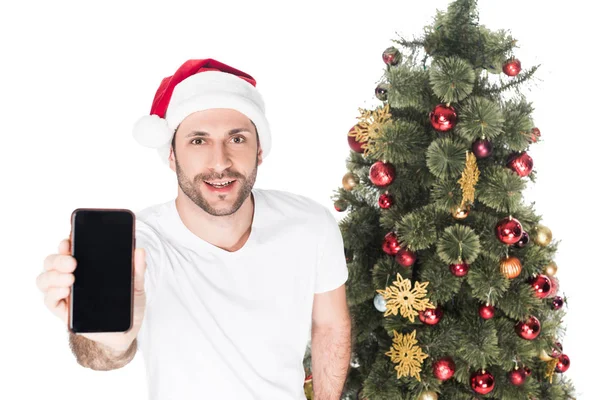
[
  {"x": 259, "y": 155},
  {"x": 172, "y": 160}
]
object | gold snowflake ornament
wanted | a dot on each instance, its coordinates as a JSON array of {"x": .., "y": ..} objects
[
  {"x": 407, "y": 355},
  {"x": 550, "y": 368},
  {"x": 406, "y": 299},
  {"x": 469, "y": 178},
  {"x": 370, "y": 126}
]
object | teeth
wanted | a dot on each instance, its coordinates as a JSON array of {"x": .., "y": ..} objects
[{"x": 219, "y": 184}]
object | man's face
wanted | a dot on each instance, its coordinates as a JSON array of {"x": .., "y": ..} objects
[{"x": 216, "y": 146}]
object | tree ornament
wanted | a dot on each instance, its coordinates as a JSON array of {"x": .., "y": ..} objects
[
  {"x": 385, "y": 200},
  {"x": 391, "y": 56},
  {"x": 354, "y": 361},
  {"x": 370, "y": 127},
  {"x": 527, "y": 371},
  {"x": 428, "y": 395},
  {"x": 406, "y": 299},
  {"x": 460, "y": 212},
  {"x": 524, "y": 241},
  {"x": 469, "y": 178},
  {"x": 407, "y": 354},
  {"x": 391, "y": 245},
  {"x": 349, "y": 181},
  {"x": 557, "y": 350},
  {"x": 535, "y": 135},
  {"x": 512, "y": 67},
  {"x": 517, "y": 376},
  {"x": 443, "y": 117},
  {"x": 482, "y": 382},
  {"x": 353, "y": 141},
  {"x": 557, "y": 303},
  {"x": 510, "y": 267},
  {"x": 380, "y": 303},
  {"x": 340, "y": 205},
  {"x": 431, "y": 316},
  {"x": 382, "y": 173},
  {"x": 460, "y": 269},
  {"x": 509, "y": 230},
  {"x": 541, "y": 286},
  {"x": 381, "y": 91},
  {"x": 308, "y": 387},
  {"x": 544, "y": 356},
  {"x": 563, "y": 363},
  {"x": 405, "y": 257},
  {"x": 520, "y": 163},
  {"x": 486, "y": 311},
  {"x": 482, "y": 148},
  {"x": 551, "y": 269},
  {"x": 444, "y": 368},
  {"x": 529, "y": 329},
  {"x": 542, "y": 235}
]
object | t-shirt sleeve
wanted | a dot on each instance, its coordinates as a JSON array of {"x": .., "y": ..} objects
[
  {"x": 147, "y": 238},
  {"x": 331, "y": 270}
]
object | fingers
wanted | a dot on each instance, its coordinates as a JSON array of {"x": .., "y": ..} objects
[
  {"x": 54, "y": 279},
  {"x": 55, "y": 300},
  {"x": 139, "y": 265},
  {"x": 64, "y": 247},
  {"x": 60, "y": 262}
]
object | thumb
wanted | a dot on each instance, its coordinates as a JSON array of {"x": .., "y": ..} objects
[{"x": 139, "y": 265}]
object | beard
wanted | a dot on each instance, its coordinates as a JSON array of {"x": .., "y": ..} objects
[{"x": 191, "y": 188}]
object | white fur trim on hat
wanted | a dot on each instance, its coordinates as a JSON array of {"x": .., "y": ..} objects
[{"x": 152, "y": 131}]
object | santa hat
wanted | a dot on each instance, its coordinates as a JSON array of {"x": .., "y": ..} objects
[{"x": 200, "y": 85}]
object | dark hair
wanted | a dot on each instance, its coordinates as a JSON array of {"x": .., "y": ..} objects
[{"x": 176, "y": 129}]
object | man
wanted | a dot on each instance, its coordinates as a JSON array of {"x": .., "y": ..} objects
[{"x": 230, "y": 280}]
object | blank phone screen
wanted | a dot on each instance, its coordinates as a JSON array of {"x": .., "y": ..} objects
[{"x": 102, "y": 244}]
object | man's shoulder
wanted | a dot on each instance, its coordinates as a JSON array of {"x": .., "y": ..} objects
[{"x": 148, "y": 218}]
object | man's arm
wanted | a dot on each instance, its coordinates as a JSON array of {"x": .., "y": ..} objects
[
  {"x": 330, "y": 343},
  {"x": 97, "y": 356}
]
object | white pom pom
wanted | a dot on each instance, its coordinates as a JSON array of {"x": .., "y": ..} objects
[{"x": 152, "y": 131}]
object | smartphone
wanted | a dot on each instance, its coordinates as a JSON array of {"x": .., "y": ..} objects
[{"x": 102, "y": 243}]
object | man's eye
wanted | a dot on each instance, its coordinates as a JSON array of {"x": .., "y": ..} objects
[
  {"x": 193, "y": 140},
  {"x": 241, "y": 138}
]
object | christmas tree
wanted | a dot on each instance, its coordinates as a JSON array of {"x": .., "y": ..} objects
[{"x": 452, "y": 286}]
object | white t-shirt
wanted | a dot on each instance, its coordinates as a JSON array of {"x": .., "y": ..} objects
[{"x": 235, "y": 325}]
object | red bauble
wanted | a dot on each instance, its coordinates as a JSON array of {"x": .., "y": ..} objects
[
  {"x": 517, "y": 376},
  {"x": 535, "y": 134},
  {"x": 391, "y": 56},
  {"x": 554, "y": 286},
  {"x": 482, "y": 148},
  {"x": 386, "y": 200},
  {"x": 512, "y": 67},
  {"x": 444, "y": 368},
  {"x": 521, "y": 163},
  {"x": 556, "y": 350},
  {"x": 390, "y": 244},
  {"x": 382, "y": 173},
  {"x": 459, "y": 270},
  {"x": 509, "y": 230},
  {"x": 563, "y": 363},
  {"x": 443, "y": 118},
  {"x": 541, "y": 285},
  {"x": 524, "y": 241},
  {"x": 557, "y": 303},
  {"x": 354, "y": 144},
  {"x": 482, "y": 382},
  {"x": 529, "y": 329},
  {"x": 431, "y": 316},
  {"x": 486, "y": 311},
  {"x": 406, "y": 258},
  {"x": 527, "y": 371}
]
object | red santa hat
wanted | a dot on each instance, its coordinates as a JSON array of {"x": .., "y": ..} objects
[{"x": 200, "y": 85}]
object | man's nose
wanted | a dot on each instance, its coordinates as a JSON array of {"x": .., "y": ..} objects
[{"x": 220, "y": 158}]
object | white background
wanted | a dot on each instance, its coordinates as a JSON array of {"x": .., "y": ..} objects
[{"x": 76, "y": 75}]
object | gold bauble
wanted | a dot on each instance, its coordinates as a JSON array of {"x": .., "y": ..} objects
[
  {"x": 460, "y": 213},
  {"x": 544, "y": 356},
  {"x": 428, "y": 395},
  {"x": 349, "y": 181},
  {"x": 510, "y": 267},
  {"x": 542, "y": 235},
  {"x": 550, "y": 269}
]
